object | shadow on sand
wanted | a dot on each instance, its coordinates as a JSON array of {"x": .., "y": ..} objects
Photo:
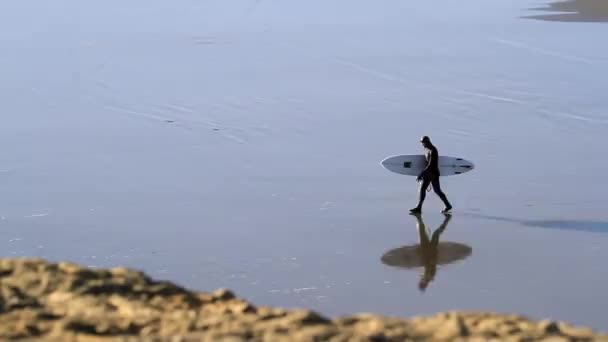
[
  {"x": 574, "y": 11},
  {"x": 428, "y": 253},
  {"x": 577, "y": 225}
]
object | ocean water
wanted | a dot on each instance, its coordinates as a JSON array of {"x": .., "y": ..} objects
[{"x": 237, "y": 144}]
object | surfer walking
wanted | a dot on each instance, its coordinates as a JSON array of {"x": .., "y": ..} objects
[{"x": 430, "y": 177}]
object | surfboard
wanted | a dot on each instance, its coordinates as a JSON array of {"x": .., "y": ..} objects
[{"x": 413, "y": 164}]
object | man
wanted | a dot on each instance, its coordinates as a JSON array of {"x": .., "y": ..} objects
[{"x": 430, "y": 176}]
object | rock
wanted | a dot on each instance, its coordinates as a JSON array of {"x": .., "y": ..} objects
[
  {"x": 44, "y": 301},
  {"x": 550, "y": 327},
  {"x": 575, "y": 332},
  {"x": 555, "y": 339},
  {"x": 450, "y": 329}
]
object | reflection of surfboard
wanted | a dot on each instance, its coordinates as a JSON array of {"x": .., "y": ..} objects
[
  {"x": 412, "y": 256},
  {"x": 412, "y": 165}
]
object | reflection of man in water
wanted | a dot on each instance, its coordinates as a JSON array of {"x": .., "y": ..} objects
[
  {"x": 428, "y": 250},
  {"x": 430, "y": 176}
]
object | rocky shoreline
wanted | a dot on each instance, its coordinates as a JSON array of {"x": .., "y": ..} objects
[{"x": 45, "y": 301}]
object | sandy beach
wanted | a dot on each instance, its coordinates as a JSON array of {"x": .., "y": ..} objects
[
  {"x": 43, "y": 301},
  {"x": 237, "y": 145}
]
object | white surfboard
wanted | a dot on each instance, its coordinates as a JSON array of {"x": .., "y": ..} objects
[{"x": 412, "y": 165}]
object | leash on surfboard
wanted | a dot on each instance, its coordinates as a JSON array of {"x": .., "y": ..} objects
[{"x": 429, "y": 188}]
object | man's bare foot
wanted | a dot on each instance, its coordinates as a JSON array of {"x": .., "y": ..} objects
[{"x": 415, "y": 211}]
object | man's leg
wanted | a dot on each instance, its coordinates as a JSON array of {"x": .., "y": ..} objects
[
  {"x": 422, "y": 194},
  {"x": 442, "y": 196}
]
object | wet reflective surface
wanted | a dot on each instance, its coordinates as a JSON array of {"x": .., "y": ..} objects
[
  {"x": 575, "y": 225},
  {"x": 574, "y": 11},
  {"x": 429, "y": 253},
  {"x": 237, "y": 144}
]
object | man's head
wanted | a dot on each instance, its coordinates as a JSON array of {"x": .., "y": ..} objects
[{"x": 425, "y": 141}]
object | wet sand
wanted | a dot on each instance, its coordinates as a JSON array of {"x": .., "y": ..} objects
[
  {"x": 237, "y": 144},
  {"x": 574, "y": 11}
]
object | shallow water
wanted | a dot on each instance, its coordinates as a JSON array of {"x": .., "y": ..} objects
[{"x": 238, "y": 145}]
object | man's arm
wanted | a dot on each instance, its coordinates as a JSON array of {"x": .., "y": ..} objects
[
  {"x": 430, "y": 161},
  {"x": 432, "y": 157}
]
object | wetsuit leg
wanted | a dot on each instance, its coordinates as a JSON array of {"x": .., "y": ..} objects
[
  {"x": 422, "y": 194},
  {"x": 437, "y": 188}
]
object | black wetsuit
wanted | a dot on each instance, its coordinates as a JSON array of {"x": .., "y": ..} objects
[
  {"x": 430, "y": 176},
  {"x": 432, "y": 158}
]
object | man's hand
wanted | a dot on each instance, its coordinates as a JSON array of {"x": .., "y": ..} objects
[{"x": 420, "y": 177}]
